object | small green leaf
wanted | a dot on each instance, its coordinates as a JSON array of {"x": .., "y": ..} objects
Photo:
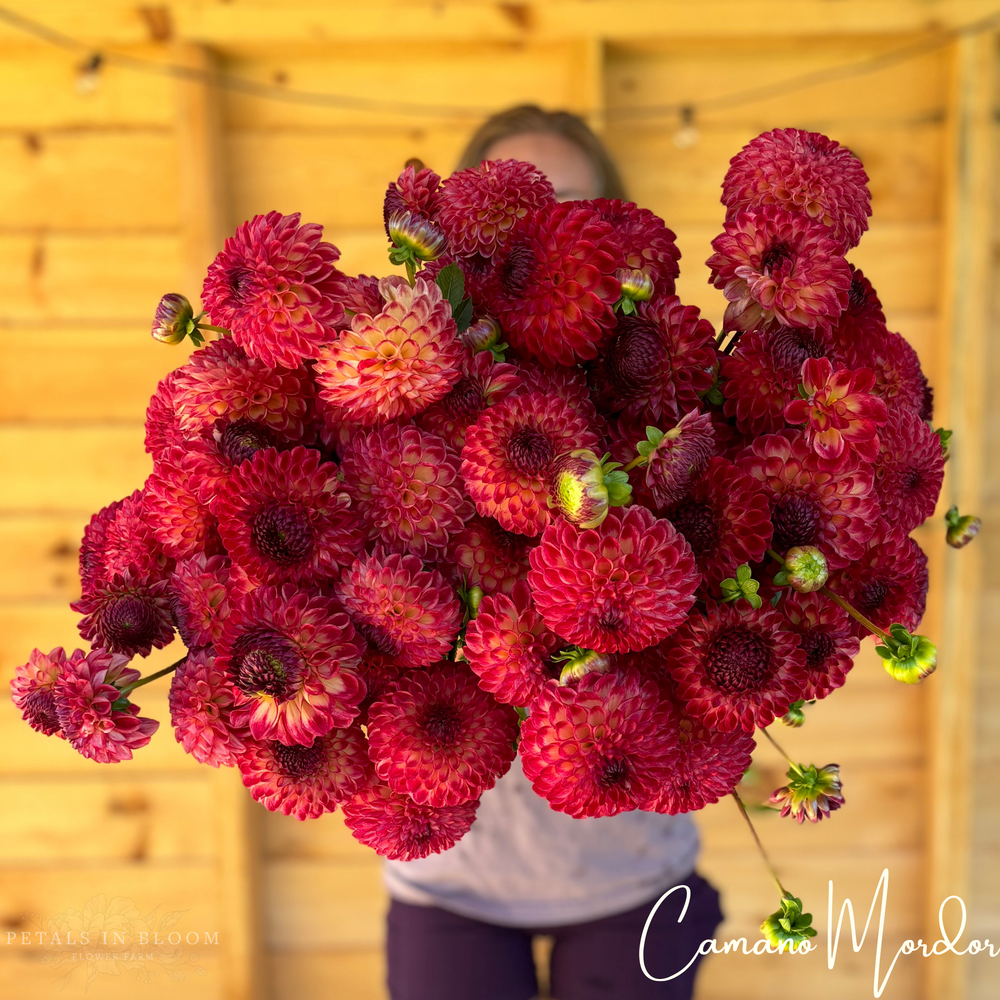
[
  {"x": 451, "y": 281},
  {"x": 463, "y": 317},
  {"x": 654, "y": 435},
  {"x": 776, "y": 598}
]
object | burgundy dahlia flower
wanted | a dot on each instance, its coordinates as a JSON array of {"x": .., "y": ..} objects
[
  {"x": 201, "y": 591},
  {"x": 33, "y": 688},
  {"x": 647, "y": 245},
  {"x": 679, "y": 458},
  {"x": 127, "y": 615},
  {"x": 899, "y": 379},
  {"x": 163, "y": 427},
  {"x": 909, "y": 470},
  {"x": 826, "y": 637},
  {"x": 487, "y": 556},
  {"x": 413, "y": 191}
]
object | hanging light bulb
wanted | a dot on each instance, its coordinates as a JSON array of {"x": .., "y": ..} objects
[
  {"x": 88, "y": 74},
  {"x": 687, "y": 135}
]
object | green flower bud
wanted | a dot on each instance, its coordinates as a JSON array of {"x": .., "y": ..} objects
[
  {"x": 636, "y": 285},
  {"x": 960, "y": 529},
  {"x": 805, "y": 569},
  {"x": 907, "y": 658},
  {"x": 414, "y": 238},
  {"x": 744, "y": 586},
  {"x": 578, "y": 661},
  {"x": 789, "y": 925},
  {"x": 582, "y": 487},
  {"x": 812, "y": 792},
  {"x": 174, "y": 320},
  {"x": 795, "y": 717}
]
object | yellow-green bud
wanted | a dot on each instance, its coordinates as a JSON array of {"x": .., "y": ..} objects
[
  {"x": 174, "y": 320},
  {"x": 578, "y": 661},
  {"x": 960, "y": 529},
  {"x": 414, "y": 238},
  {"x": 907, "y": 658},
  {"x": 636, "y": 286},
  {"x": 789, "y": 925},
  {"x": 805, "y": 569},
  {"x": 583, "y": 486}
]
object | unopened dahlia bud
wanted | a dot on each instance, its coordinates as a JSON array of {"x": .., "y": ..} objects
[
  {"x": 637, "y": 286},
  {"x": 484, "y": 335},
  {"x": 414, "y": 238},
  {"x": 795, "y": 718},
  {"x": 174, "y": 320},
  {"x": 675, "y": 459},
  {"x": 577, "y": 662},
  {"x": 805, "y": 569},
  {"x": 788, "y": 925},
  {"x": 812, "y": 793},
  {"x": 961, "y": 529},
  {"x": 582, "y": 487},
  {"x": 907, "y": 658}
]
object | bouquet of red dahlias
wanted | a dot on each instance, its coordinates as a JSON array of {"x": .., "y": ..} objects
[{"x": 521, "y": 498}]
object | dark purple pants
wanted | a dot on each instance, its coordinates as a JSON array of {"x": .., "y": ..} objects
[{"x": 437, "y": 955}]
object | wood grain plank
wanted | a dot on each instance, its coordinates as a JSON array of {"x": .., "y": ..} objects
[
  {"x": 38, "y": 557},
  {"x": 335, "y": 975}
]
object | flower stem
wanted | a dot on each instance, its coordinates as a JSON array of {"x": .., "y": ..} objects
[
  {"x": 760, "y": 846},
  {"x": 214, "y": 329},
  {"x": 637, "y": 461},
  {"x": 152, "y": 677},
  {"x": 777, "y": 747}
]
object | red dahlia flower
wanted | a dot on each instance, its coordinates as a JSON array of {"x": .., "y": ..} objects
[
  {"x": 601, "y": 747},
  {"x": 406, "y": 485},
  {"x": 127, "y": 615},
  {"x": 406, "y": 612},
  {"x": 679, "y": 458},
  {"x": 827, "y": 639},
  {"x": 413, "y": 191},
  {"x": 508, "y": 646},
  {"x": 284, "y": 516},
  {"x": 647, "y": 245},
  {"x": 863, "y": 318},
  {"x": 479, "y": 207},
  {"x": 899, "y": 379},
  {"x": 835, "y": 510},
  {"x": 838, "y": 410},
  {"x": 507, "y": 455},
  {"x": 622, "y": 586},
  {"x": 201, "y": 591},
  {"x": 554, "y": 287},
  {"x": 909, "y": 470},
  {"x": 163, "y": 427},
  {"x": 440, "y": 738},
  {"x": 736, "y": 667},
  {"x": 396, "y": 363},
  {"x": 306, "y": 781},
  {"x": 275, "y": 287},
  {"x": 201, "y": 706},
  {"x": 803, "y": 172},
  {"x": 490, "y": 557},
  {"x": 33, "y": 688},
  {"x": 292, "y": 657},
  {"x": 658, "y": 364},
  {"x": 174, "y": 506},
  {"x": 399, "y": 829},
  {"x": 88, "y": 699},
  {"x": 778, "y": 267}
]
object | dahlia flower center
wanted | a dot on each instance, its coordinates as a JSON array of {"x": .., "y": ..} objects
[
  {"x": 613, "y": 772},
  {"x": 40, "y": 711},
  {"x": 698, "y": 524},
  {"x": 297, "y": 761},
  {"x": 912, "y": 481},
  {"x": 266, "y": 664},
  {"x": 282, "y": 533},
  {"x": 378, "y": 637},
  {"x": 466, "y": 399},
  {"x": 818, "y": 646},
  {"x": 857, "y": 297},
  {"x": 791, "y": 345},
  {"x": 738, "y": 660},
  {"x": 796, "y": 520},
  {"x": 516, "y": 269},
  {"x": 442, "y": 724},
  {"x": 129, "y": 621},
  {"x": 505, "y": 541},
  {"x": 610, "y": 620},
  {"x": 529, "y": 451},
  {"x": 242, "y": 439},
  {"x": 774, "y": 257},
  {"x": 633, "y": 356},
  {"x": 872, "y": 596},
  {"x": 240, "y": 282}
]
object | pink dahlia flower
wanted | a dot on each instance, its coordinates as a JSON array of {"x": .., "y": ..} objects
[
  {"x": 601, "y": 747},
  {"x": 803, "y": 172},
  {"x": 736, "y": 667},
  {"x": 401, "y": 830},
  {"x": 88, "y": 698},
  {"x": 508, "y": 646},
  {"x": 838, "y": 410},
  {"x": 899, "y": 380},
  {"x": 163, "y": 426},
  {"x": 201, "y": 706},
  {"x": 284, "y": 516},
  {"x": 201, "y": 591},
  {"x": 306, "y": 781},
  {"x": 479, "y": 207},
  {"x": 406, "y": 485},
  {"x": 33, "y": 688},
  {"x": 622, "y": 586},
  {"x": 490, "y": 557},
  {"x": 293, "y": 658},
  {"x": 778, "y": 267},
  {"x": 827, "y": 639},
  {"x": 394, "y": 364},
  {"x": 126, "y": 615},
  {"x": 647, "y": 245},
  {"x": 909, "y": 470},
  {"x": 275, "y": 287},
  {"x": 415, "y": 191},
  {"x": 508, "y": 452},
  {"x": 554, "y": 287},
  {"x": 440, "y": 738},
  {"x": 404, "y": 611},
  {"x": 174, "y": 504}
]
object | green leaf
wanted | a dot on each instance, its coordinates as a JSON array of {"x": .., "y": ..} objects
[
  {"x": 743, "y": 573},
  {"x": 451, "y": 281},
  {"x": 654, "y": 435},
  {"x": 463, "y": 314},
  {"x": 755, "y": 600},
  {"x": 776, "y": 598}
]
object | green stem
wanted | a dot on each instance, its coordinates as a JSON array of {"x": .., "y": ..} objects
[
  {"x": 152, "y": 677},
  {"x": 777, "y": 747},
  {"x": 411, "y": 271},
  {"x": 760, "y": 846},
  {"x": 635, "y": 463},
  {"x": 214, "y": 329}
]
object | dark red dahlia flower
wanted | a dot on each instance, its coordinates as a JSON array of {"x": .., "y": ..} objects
[
  {"x": 657, "y": 364},
  {"x": 201, "y": 705},
  {"x": 479, "y": 207},
  {"x": 679, "y": 458},
  {"x": 764, "y": 373},
  {"x": 33, "y": 688},
  {"x": 838, "y": 409},
  {"x": 201, "y": 591},
  {"x": 396, "y": 363},
  {"x": 508, "y": 646},
  {"x": 601, "y": 747},
  {"x": 490, "y": 557},
  {"x": 405, "y": 483},
  {"x": 835, "y": 510},
  {"x": 862, "y": 320},
  {"x": 779, "y": 267},
  {"x": 397, "y": 828},
  {"x": 404, "y": 611},
  {"x": 887, "y": 584},
  {"x": 284, "y": 516},
  {"x": 413, "y": 191},
  {"x": 737, "y": 667},
  {"x": 899, "y": 380},
  {"x": 440, "y": 738},
  {"x": 127, "y": 615},
  {"x": 306, "y": 781},
  {"x": 275, "y": 287},
  {"x": 909, "y": 470},
  {"x": 647, "y": 245},
  {"x": 293, "y": 658},
  {"x": 827, "y": 639},
  {"x": 507, "y": 454},
  {"x": 803, "y": 172},
  {"x": 88, "y": 700},
  {"x": 725, "y": 518},
  {"x": 622, "y": 586},
  {"x": 554, "y": 286}
]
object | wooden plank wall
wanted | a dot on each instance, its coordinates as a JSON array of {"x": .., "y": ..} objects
[{"x": 96, "y": 196}]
